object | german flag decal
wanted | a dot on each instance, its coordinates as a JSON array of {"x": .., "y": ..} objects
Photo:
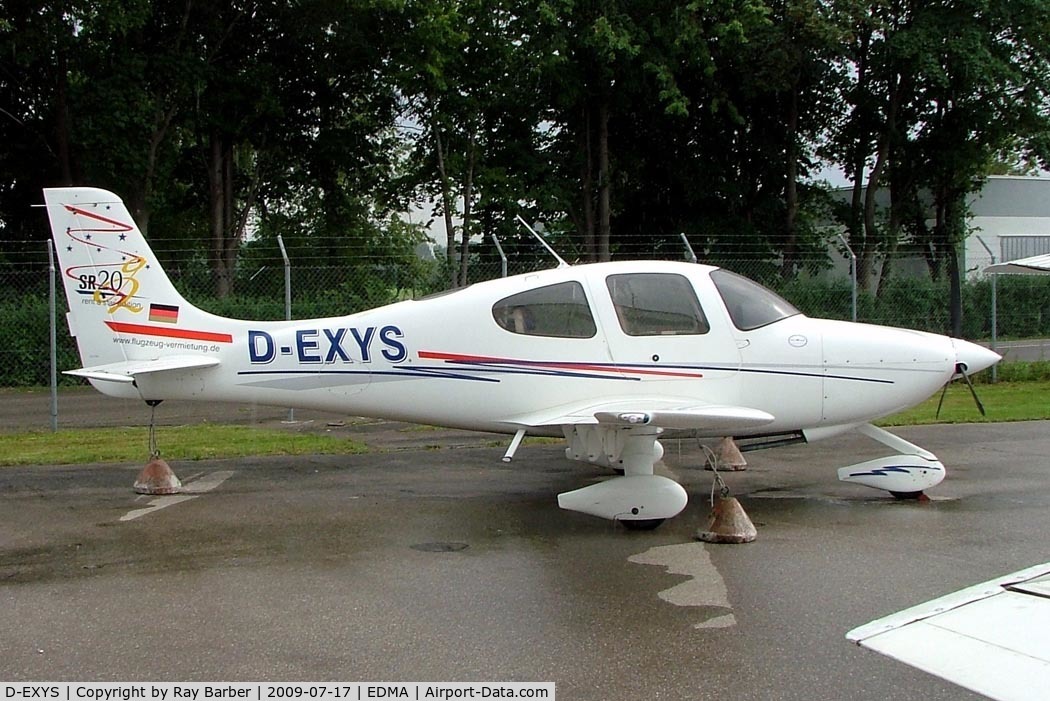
[{"x": 165, "y": 313}]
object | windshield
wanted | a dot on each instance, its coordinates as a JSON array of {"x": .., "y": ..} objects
[{"x": 750, "y": 305}]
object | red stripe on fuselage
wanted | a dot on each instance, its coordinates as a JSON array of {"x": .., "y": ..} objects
[
  {"x": 145, "y": 330},
  {"x": 487, "y": 360}
]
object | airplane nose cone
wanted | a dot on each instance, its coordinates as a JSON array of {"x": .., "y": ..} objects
[{"x": 973, "y": 357}]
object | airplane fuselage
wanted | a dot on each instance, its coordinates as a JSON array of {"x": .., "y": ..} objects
[{"x": 440, "y": 360}]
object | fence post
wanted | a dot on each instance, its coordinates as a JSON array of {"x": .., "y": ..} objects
[
  {"x": 287, "y": 298},
  {"x": 995, "y": 312},
  {"x": 502, "y": 256},
  {"x": 852, "y": 274},
  {"x": 54, "y": 335}
]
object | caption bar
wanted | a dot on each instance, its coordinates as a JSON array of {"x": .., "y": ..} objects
[{"x": 259, "y": 691}]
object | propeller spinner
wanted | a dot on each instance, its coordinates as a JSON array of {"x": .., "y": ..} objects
[{"x": 969, "y": 358}]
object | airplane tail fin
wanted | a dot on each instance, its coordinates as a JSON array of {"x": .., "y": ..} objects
[{"x": 123, "y": 309}]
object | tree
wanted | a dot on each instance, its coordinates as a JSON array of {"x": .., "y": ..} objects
[
  {"x": 939, "y": 92},
  {"x": 470, "y": 98},
  {"x": 649, "y": 139},
  {"x": 296, "y": 106},
  {"x": 983, "y": 87}
]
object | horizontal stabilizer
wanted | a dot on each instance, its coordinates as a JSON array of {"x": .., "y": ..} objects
[
  {"x": 992, "y": 638},
  {"x": 128, "y": 370}
]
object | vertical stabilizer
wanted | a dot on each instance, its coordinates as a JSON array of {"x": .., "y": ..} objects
[{"x": 122, "y": 306}]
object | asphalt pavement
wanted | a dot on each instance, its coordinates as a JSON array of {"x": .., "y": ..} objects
[{"x": 429, "y": 559}]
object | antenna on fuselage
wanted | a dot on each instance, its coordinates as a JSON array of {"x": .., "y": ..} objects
[
  {"x": 690, "y": 254},
  {"x": 561, "y": 263}
]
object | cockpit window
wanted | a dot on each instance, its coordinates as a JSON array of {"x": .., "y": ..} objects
[
  {"x": 558, "y": 310},
  {"x": 750, "y": 305},
  {"x": 656, "y": 304}
]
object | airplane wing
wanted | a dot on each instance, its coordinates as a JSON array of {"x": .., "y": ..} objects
[
  {"x": 1039, "y": 265},
  {"x": 126, "y": 371},
  {"x": 665, "y": 413},
  {"x": 992, "y": 638}
]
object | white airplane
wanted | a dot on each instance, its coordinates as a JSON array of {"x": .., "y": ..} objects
[
  {"x": 607, "y": 355},
  {"x": 991, "y": 638},
  {"x": 1035, "y": 265}
]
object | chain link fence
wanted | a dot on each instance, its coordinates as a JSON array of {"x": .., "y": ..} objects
[{"x": 907, "y": 298}]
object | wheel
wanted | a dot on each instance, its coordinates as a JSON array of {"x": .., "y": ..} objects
[
  {"x": 907, "y": 495},
  {"x": 641, "y": 524}
]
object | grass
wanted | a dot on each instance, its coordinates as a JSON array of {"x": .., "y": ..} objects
[
  {"x": 1005, "y": 401},
  {"x": 1020, "y": 371},
  {"x": 197, "y": 442}
]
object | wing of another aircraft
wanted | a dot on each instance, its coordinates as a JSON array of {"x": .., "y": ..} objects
[
  {"x": 992, "y": 638},
  {"x": 1035, "y": 264},
  {"x": 665, "y": 413}
]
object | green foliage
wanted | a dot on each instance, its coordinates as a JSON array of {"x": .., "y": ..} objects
[
  {"x": 1006, "y": 401},
  {"x": 198, "y": 442},
  {"x": 1017, "y": 371},
  {"x": 326, "y": 291},
  {"x": 25, "y": 340},
  {"x": 917, "y": 303}
]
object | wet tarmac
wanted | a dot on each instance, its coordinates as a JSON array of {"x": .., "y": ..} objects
[{"x": 429, "y": 559}]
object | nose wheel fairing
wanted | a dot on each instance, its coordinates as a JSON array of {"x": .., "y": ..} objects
[
  {"x": 911, "y": 472},
  {"x": 897, "y": 474}
]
